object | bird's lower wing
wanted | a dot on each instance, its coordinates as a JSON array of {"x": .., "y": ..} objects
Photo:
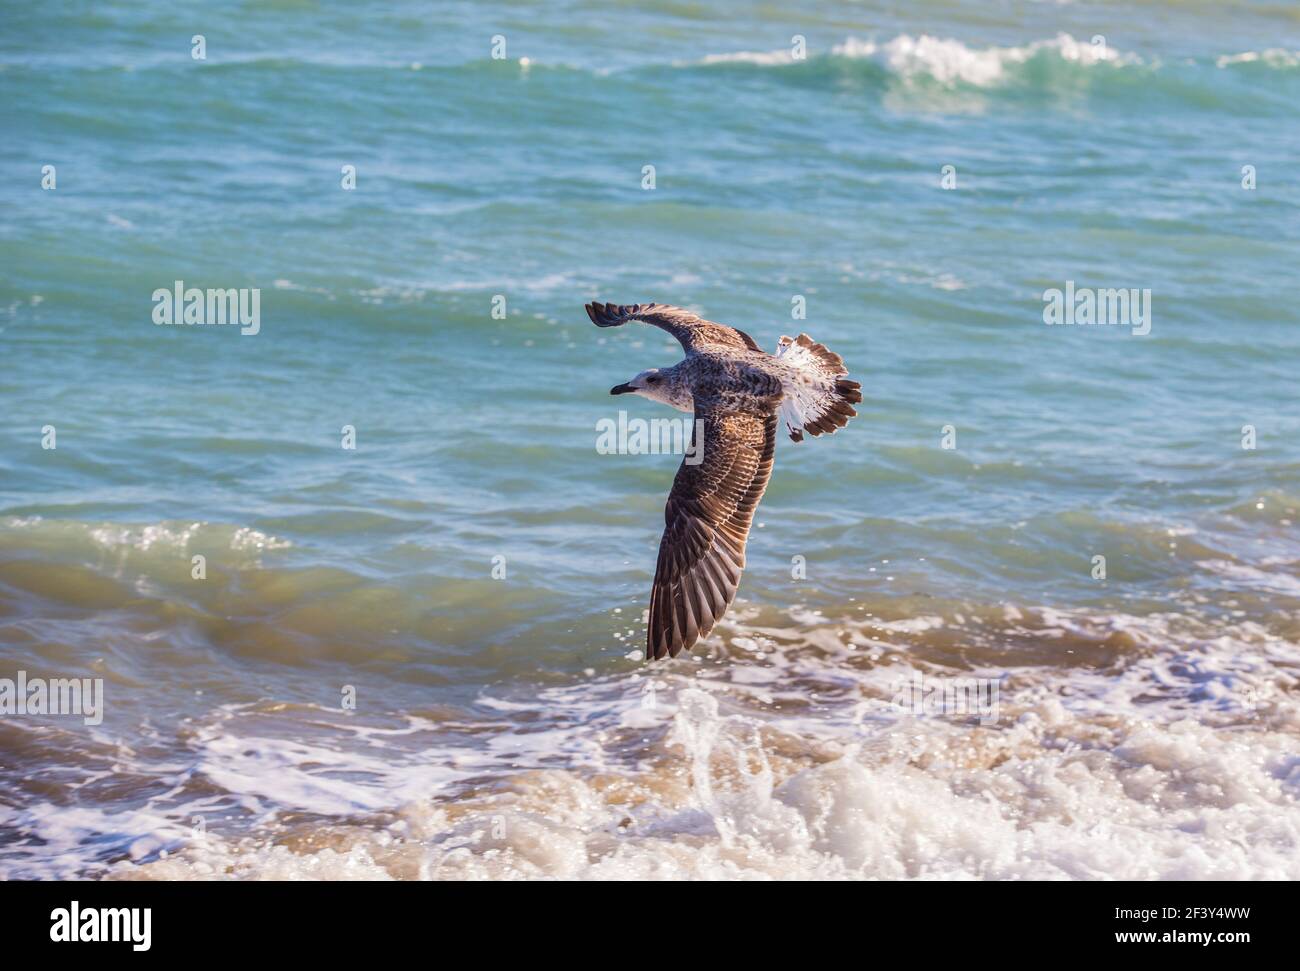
[
  {"x": 694, "y": 332},
  {"x": 707, "y": 522}
]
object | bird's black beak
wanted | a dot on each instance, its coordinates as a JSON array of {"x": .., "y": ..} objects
[{"x": 622, "y": 389}]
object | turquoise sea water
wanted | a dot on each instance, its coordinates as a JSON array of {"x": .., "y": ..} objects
[{"x": 1149, "y": 726}]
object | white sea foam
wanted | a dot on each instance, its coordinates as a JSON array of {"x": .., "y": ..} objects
[
  {"x": 944, "y": 60},
  {"x": 1275, "y": 57},
  {"x": 331, "y": 779},
  {"x": 950, "y": 61},
  {"x": 144, "y": 537},
  {"x": 766, "y": 58},
  {"x": 1052, "y": 797},
  {"x": 119, "y": 537},
  {"x": 1245, "y": 575},
  {"x": 1178, "y": 762}
]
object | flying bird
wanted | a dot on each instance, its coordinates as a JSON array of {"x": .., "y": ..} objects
[{"x": 738, "y": 394}]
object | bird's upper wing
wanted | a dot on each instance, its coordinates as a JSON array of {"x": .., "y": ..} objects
[
  {"x": 695, "y": 333},
  {"x": 707, "y": 521}
]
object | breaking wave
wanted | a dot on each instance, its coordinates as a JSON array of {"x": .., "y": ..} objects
[
  {"x": 1171, "y": 754},
  {"x": 1059, "y": 65}
]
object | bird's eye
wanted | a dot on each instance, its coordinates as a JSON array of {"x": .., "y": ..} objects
[{"x": 651, "y": 380}]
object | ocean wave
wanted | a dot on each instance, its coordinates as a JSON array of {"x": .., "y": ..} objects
[
  {"x": 925, "y": 72},
  {"x": 1057, "y": 794},
  {"x": 1253, "y": 578},
  {"x": 791, "y": 760},
  {"x": 139, "y": 537},
  {"x": 949, "y": 62},
  {"x": 1274, "y": 57},
  {"x": 946, "y": 61},
  {"x": 128, "y": 565}
]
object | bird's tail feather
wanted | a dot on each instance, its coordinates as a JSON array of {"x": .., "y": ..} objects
[{"x": 819, "y": 398}]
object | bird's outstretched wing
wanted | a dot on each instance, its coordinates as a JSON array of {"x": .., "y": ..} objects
[
  {"x": 707, "y": 521},
  {"x": 694, "y": 332}
]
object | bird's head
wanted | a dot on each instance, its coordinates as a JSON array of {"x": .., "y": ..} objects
[
  {"x": 645, "y": 383},
  {"x": 657, "y": 385}
]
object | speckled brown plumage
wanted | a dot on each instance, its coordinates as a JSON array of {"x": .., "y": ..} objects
[{"x": 738, "y": 395}]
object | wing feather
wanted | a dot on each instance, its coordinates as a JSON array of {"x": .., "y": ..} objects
[
  {"x": 694, "y": 332},
  {"x": 706, "y": 524}
]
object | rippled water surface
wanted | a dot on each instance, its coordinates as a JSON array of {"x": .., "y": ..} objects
[{"x": 1146, "y": 723}]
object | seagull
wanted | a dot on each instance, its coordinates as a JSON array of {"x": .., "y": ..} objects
[{"x": 738, "y": 394}]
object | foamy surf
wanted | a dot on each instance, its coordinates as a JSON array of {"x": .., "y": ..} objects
[
  {"x": 1176, "y": 761},
  {"x": 945, "y": 61},
  {"x": 1054, "y": 797}
]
